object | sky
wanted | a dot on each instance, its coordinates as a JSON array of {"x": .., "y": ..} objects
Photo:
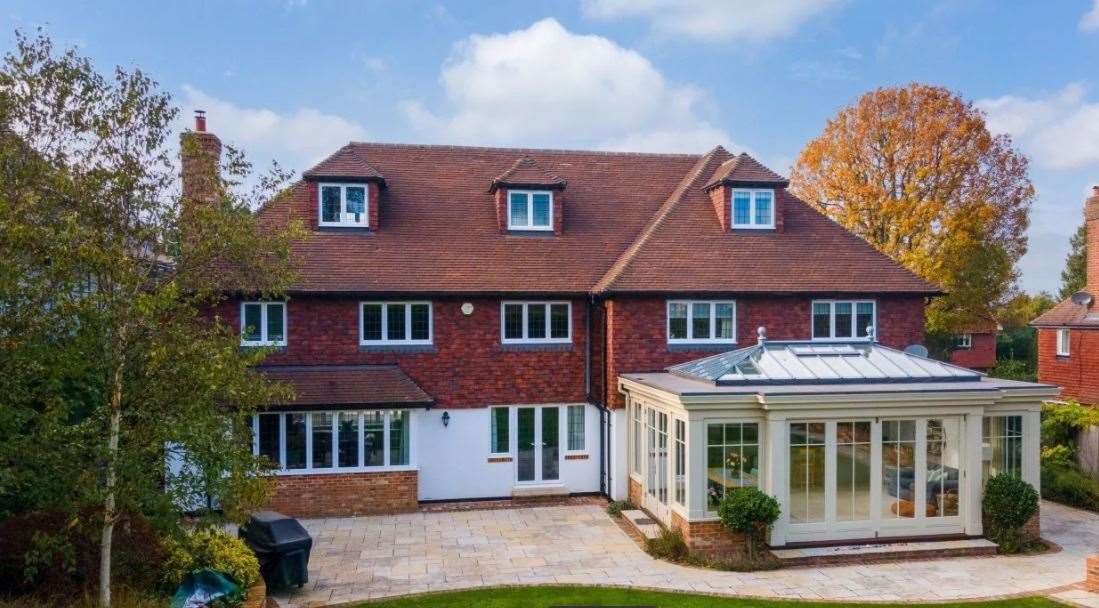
[{"x": 293, "y": 80}]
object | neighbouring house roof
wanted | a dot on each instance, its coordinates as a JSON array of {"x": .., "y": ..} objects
[
  {"x": 527, "y": 173},
  {"x": 1069, "y": 313},
  {"x": 349, "y": 386},
  {"x": 744, "y": 169},
  {"x": 631, "y": 223},
  {"x": 810, "y": 367}
]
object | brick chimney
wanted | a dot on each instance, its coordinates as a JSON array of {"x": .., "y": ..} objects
[
  {"x": 1091, "y": 216},
  {"x": 200, "y": 155}
]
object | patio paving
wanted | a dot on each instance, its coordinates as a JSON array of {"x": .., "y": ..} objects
[{"x": 360, "y": 558}]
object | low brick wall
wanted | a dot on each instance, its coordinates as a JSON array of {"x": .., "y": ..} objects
[
  {"x": 344, "y": 494},
  {"x": 708, "y": 539},
  {"x": 633, "y": 492},
  {"x": 1091, "y": 580}
]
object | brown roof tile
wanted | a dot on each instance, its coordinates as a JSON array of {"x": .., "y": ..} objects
[
  {"x": 744, "y": 169},
  {"x": 527, "y": 173},
  {"x": 349, "y": 385},
  {"x": 345, "y": 163},
  {"x": 1070, "y": 314},
  {"x": 632, "y": 222}
]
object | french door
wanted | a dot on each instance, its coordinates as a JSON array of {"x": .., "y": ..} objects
[
  {"x": 539, "y": 450},
  {"x": 867, "y": 478},
  {"x": 656, "y": 466}
]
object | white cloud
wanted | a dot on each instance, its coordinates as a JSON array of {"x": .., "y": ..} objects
[
  {"x": 546, "y": 86},
  {"x": 1090, "y": 21},
  {"x": 1060, "y": 130},
  {"x": 714, "y": 20},
  {"x": 297, "y": 140}
]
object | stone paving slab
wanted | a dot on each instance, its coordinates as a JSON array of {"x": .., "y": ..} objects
[{"x": 360, "y": 558}]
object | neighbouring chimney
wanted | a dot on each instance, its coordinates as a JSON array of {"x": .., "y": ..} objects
[{"x": 1091, "y": 216}]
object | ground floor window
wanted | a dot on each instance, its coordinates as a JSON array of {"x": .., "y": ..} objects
[
  {"x": 732, "y": 459},
  {"x": 575, "y": 421},
  {"x": 680, "y": 462},
  {"x": 498, "y": 421},
  {"x": 807, "y": 466},
  {"x": 636, "y": 433},
  {"x": 1002, "y": 447},
  {"x": 319, "y": 441}
]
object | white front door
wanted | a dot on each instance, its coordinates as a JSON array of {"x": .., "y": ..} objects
[
  {"x": 656, "y": 464},
  {"x": 858, "y": 479},
  {"x": 539, "y": 445}
]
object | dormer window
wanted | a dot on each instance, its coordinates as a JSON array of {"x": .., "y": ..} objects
[
  {"x": 344, "y": 205},
  {"x": 753, "y": 208},
  {"x": 530, "y": 210}
]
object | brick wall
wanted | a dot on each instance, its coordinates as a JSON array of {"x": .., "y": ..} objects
[
  {"x": 345, "y": 494},
  {"x": 638, "y": 337},
  {"x": 1091, "y": 582},
  {"x": 709, "y": 539},
  {"x": 1077, "y": 374},
  {"x": 980, "y": 356},
  {"x": 466, "y": 367},
  {"x": 633, "y": 492}
]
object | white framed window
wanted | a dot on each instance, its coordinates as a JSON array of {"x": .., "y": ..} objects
[
  {"x": 536, "y": 322},
  {"x": 701, "y": 321},
  {"x": 395, "y": 323},
  {"x": 1064, "y": 342},
  {"x": 263, "y": 323},
  {"x": 635, "y": 460},
  {"x": 843, "y": 319},
  {"x": 575, "y": 426},
  {"x": 963, "y": 341},
  {"x": 530, "y": 210},
  {"x": 327, "y": 441},
  {"x": 752, "y": 208},
  {"x": 1001, "y": 446},
  {"x": 499, "y": 421},
  {"x": 732, "y": 459},
  {"x": 343, "y": 205},
  {"x": 680, "y": 453}
]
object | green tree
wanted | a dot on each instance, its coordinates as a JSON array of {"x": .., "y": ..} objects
[
  {"x": 915, "y": 171},
  {"x": 1075, "y": 275},
  {"x": 109, "y": 359}
]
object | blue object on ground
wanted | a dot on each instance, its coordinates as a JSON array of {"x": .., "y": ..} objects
[{"x": 202, "y": 588}]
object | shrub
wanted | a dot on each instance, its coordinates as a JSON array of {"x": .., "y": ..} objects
[
  {"x": 1065, "y": 483},
  {"x": 669, "y": 545},
  {"x": 750, "y": 512},
  {"x": 616, "y": 507},
  {"x": 1062, "y": 421},
  {"x": 1009, "y": 503},
  {"x": 214, "y": 549}
]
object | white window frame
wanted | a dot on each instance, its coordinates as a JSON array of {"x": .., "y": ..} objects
[
  {"x": 491, "y": 439},
  {"x": 965, "y": 341},
  {"x": 526, "y": 311},
  {"x": 1064, "y": 342},
  {"x": 335, "y": 468},
  {"x": 752, "y": 193},
  {"x": 346, "y": 219},
  {"x": 569, "y": 409},
  {"x": 832, "y": 320},
  {"x": 263, "y": 341},
  {"x": 407, "y": 341},
  {"x": 690, "y": 339},
  {"x": 530, "y": 210}
]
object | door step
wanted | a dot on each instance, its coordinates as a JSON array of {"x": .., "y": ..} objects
[
  {"x": 646, "y": 526},
  {"x": 861, "y": 553},
  {"x": 555, "y": 490}
]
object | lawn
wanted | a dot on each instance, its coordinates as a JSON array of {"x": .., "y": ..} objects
[{"x": 544, "y": 597}]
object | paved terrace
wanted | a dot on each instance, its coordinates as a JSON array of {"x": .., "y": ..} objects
[{"x": 360, "y": 558}]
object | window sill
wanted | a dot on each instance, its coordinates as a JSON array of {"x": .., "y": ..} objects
[
  {"x": 344, "y": 228},
  {"x": 547, "y": 232},
  {"x": 736, "y": 227},
  {"x": 278, "y": 348},
  {"x": 679, "y": 347},
  {"x": 344, "y": 471},
  {"x": 397, "y": 348},
  {"x": 536, "y": 346}
]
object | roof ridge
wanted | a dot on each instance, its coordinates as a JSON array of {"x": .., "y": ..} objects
[
  {"x": 622, "y": 263},
  {"x": 526, "y": 150}
]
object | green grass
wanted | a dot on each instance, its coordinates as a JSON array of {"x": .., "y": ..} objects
[{"x": 544, "y": 597}]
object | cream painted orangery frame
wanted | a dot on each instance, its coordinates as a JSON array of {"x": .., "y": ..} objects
[{"x": 859, "y": 442}]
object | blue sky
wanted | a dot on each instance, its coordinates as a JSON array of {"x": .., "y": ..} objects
[{"x": 295, "y": 79}]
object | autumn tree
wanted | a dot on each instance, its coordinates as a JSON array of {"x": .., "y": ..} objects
[
  {"x": 109, "y": 363},
  {"x": 1075, "y": 275},
  {"x": 915, "y": 172}
]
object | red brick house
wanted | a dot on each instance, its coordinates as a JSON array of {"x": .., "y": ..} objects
[
  {"x": 1068, "y": 333},
  {"x": 465, "y": 320},
  {"x": 975, "y": 347}
]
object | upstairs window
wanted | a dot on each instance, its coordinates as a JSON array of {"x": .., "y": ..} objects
[
  {"x": 344, "y": 205},
  {"x": 530, "y": 210},
  {"x": 843, "y": 319},
  {"x": 753, "y": 208},
  {"x": 395, "y": 323},
  {"x": 536, "y": 322},
  {"x": 263, "y": 323},
  {"x": 692, "y": 321},
  {"x": 1064, "y": 345}
]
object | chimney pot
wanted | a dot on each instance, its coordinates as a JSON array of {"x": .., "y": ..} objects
[{"x": 200, "y": 121}]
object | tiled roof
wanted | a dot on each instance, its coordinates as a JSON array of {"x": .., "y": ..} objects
[
  {"x": 345, "y": 163},
  {"x": 527, "y": 173},
  {"x": 349, "y": 385},
  {"x": 631, "y": 222},
  {"x": 1068, "y": 313},
  {"x": 745, "y": 170}
]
